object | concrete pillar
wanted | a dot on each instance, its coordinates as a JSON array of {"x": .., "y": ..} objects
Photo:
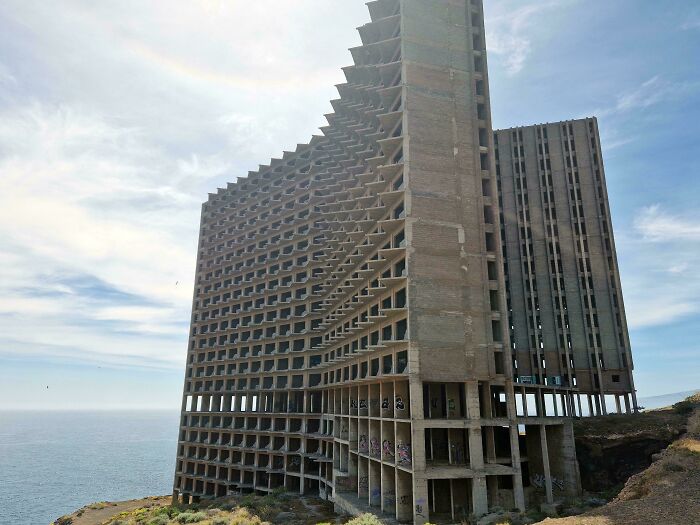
[
  {"x": 488, "y": 434},
  {"x": 476, "y": 451},
  {"x": 545, "y": 464},
  {"x": 567, "y": 464},
  {"x": 480, "y": 496},
  {"x": 421, "y": 513},
  {"x": 518, "y": 491},
  {"x": 473, "y": 405}
]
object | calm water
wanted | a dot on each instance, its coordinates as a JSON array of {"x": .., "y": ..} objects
[{"x": 52, "y": 463}]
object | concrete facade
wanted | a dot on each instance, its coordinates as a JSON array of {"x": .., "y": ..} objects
[
  {"x": 567, "y": 315},
  {"x": 349, "y": 333}
]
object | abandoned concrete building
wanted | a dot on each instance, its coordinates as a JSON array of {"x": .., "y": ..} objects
[
  {"x": 567, "y": 319},
  {"x": 350, "y": 324}
]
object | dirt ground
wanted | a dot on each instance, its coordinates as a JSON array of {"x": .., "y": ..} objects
[
  {"x": 667, "y": 493},
  {"x": 99, "y": 513}
]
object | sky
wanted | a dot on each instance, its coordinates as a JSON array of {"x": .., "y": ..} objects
[{"x": 118, "y": 117}]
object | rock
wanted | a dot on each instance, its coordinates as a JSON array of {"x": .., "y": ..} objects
[
  {"x": 493, "y": 518},
  {"x": 550, "y": 509},
  {"x": 595, "y": 502}
]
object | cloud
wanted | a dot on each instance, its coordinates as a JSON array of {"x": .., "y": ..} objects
[
  {"x": 656, "y": 225},
  {"x": 6, "y": 78},
  {"x": 140, "y": 111},
  {"x": 82, "y": 272},
  {"x": 649, "y": 93},
  {"x": 511, "y": 27},
  {"x": 656, "y": 258},
  {"x": 692, "y": 22},
  {"x": 679, "y": 268}
]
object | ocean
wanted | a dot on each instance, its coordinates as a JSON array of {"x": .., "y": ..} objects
[{"x": 52, "y": 463}]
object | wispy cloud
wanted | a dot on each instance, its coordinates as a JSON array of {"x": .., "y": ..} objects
[
  {"x": 104, "y": 163},
  {"x": 78, "y": 262},
  {"x": 692, "y": 21},
  {"x": 5, "y": 76},
  {"x": 657, "y": 225},
  {"x": 649, "y": 93},
  {"x": 659, "y": 254},
  {"x": 512, "y": 27}
]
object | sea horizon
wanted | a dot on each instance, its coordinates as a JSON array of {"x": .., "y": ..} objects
[{"x": 53, "y": 462}]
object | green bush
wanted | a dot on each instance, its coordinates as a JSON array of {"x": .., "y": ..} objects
[
  {"x": 191, "y": 517},
  {"x": 220, "y": 521},
  {"x": 684, "y": 407},
  {"x": 159, "y": 520}
]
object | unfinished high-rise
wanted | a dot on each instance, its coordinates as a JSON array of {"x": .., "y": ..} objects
[
  {"x": 350, "y": 327},
  {"x": 567, "y": 316}
]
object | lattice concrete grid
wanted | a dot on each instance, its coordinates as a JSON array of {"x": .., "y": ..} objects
[{"x": 350, "y": 328}]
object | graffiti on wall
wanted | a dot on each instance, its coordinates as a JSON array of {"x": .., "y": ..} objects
[
  {"x": 364, "y": 444},
  {"x": 404, "y": 453},
  {"x": 374, "y": 448},
  {"x": 363, "y": 483},
  {"x": 540, "y": 481},
  {"x": 388, "y": 449}
]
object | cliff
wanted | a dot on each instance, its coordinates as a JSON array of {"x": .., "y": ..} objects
[{"x": 667, "y": 491}]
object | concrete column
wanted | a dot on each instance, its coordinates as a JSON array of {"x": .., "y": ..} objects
[
  {"x": 473, "y": 405},
  {"x": 480, "y": 496},
  {"x": 476, "y": 452},
  {"x": 518, "y": 491},
  {"x": 421, "y": 513},
  {"x": 545, "y": 464},
  {"x": 540, "y": 403},
  {"x": 488, "y": 434},
  {"x": 563, "y": 464}
]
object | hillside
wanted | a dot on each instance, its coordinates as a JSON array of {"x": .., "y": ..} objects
[{"x": 668, "y": 491}]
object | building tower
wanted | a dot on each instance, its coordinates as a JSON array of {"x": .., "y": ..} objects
[
  {"x": 567, "y": 316},
  {"x": 349, "y": 328}
]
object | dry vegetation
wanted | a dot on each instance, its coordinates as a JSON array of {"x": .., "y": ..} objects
[
  {"x": 276, "y": 508},
  {"x": 668, "y": 492}
]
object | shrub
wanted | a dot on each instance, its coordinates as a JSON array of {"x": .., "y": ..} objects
[
  {"x": 220, "y": 521},
  {"x": 247, "y": 501},
  {"x": 191, "y": 517},
  {"x": 159, "y": 520},
  {"x": 243, "y": 517},
  {"x": 684, "y": 407},
  {"x": 365, "y": 519}
]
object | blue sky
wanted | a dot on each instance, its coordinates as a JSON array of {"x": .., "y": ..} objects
[{"x": 117, "y": 118}]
